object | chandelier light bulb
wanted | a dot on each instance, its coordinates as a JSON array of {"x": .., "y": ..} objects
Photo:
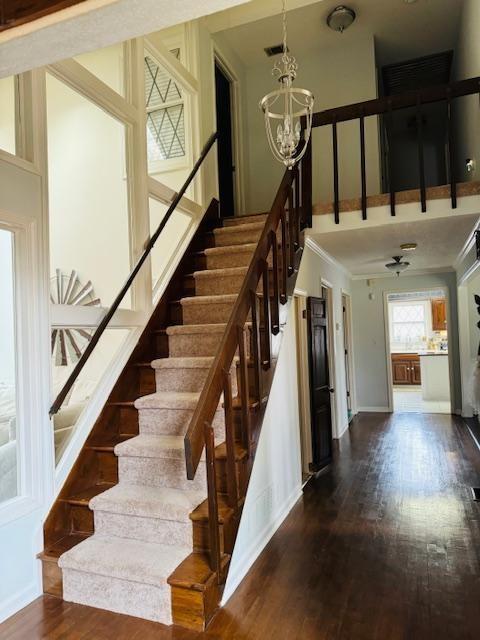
[{"x": 291, "y": 105}]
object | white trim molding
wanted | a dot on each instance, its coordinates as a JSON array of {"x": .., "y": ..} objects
[{"x": 312, "y": 244}]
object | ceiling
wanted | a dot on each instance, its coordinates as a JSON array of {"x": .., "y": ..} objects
[
  {"x": 431, "y": 26},
  {"x": 91, "y": 25},
  {"x": 366, "y": 251}
]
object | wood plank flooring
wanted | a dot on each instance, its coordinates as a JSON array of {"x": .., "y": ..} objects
[{"x": 383, "y": 546}]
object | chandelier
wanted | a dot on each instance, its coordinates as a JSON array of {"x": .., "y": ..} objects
[{"x": 287, "y": 105}]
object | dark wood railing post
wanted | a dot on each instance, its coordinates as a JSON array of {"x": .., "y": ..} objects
[
  {"x": 363, "y": 168},
  {"x": 421, "y": 159},
  {"x": 244, "y": 389},
  {"x": 390, "y": 159},
  {"x": 283, "y": 292},
  {"x": 307, "y": 195},
  {"x": 232, "y": 486},
  {"x": 275, "y": 297},
  {"x": 336, "y": 199},
  {"x": 256, "y": 344},
  {"x": 267, "y": 336},
  {"x": 214, "y": 534},
  {"x": 451, "y": 152}
]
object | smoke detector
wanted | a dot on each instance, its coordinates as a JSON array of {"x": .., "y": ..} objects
[
  {"x": 341, "y": 18},
  {"x": 398, "y": 265}
]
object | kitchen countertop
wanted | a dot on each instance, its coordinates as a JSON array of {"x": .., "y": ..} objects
[{"x": 432, "y": 353}]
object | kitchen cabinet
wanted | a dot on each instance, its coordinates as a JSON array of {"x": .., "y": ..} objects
[
  {"x": 406, "y": 369},
  {"x": 439, "y": 315}
]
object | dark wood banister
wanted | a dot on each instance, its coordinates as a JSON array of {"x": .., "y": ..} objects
[
  {"x": 400, "y": 101},
  {"x": 116, "y": 303},
  {"x": 214, "y": 385}
]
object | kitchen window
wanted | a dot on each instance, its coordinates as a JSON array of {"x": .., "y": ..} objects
[{"x": 409, "y": 323}]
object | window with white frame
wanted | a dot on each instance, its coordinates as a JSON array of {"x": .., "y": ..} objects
[
  {"x": 409, "y": 323},
  {"x": 165, "y": 106}
]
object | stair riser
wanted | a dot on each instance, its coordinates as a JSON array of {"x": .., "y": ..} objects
[
  {"x": 231, "y": 259},
  {"x": 161, "y": 472},
  {"x": 213, "y": 313},
  {"x": 194, "y": 345},
  {"x": 219, "y": 285},
  {"x": 223, "y": 239},
  {"x": 146, "y": 529},
  {"x": 188, "y": 380},
  {"x": 174, "y": 422},
  {"x": 240, "y": 220},
  {"x": 120, "y": 596}
]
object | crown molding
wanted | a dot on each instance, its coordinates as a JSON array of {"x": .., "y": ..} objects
[
  {"x": 317, "y": 249},
  {"x": 413, "y": 272},
  {"x": 470, "y": 241}
]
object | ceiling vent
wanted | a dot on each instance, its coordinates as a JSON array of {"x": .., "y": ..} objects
[
  {"x": 417, "y": 74},
  {"x": 274, "y": 50}
]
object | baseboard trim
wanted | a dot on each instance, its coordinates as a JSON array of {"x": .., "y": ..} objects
[
  {"x": 20, "y": 600},
  {"x": 374, "y": 410},
  {"x": 257, "y": 546}
]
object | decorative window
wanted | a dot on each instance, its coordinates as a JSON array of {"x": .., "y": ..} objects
[
  {"x": 409, "y": 322},
  {"x": 165, "y": 113}
]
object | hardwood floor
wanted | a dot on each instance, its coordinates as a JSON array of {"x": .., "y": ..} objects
[{"x": 383, "y": 546}]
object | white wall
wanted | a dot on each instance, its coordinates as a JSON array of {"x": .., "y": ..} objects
[
  {"x": 313, "y": 269},
  {"x": 276, "y": 480},
  {"x": 337, "y": 76},
  {"x": 467, "y": 65},
  {"x": 7, "y": 114},
  {"x": 7, "y": 341},
  {"x": 369, "y": 335}
]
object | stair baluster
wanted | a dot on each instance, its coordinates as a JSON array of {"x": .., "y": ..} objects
[{"x": 213, "y": 530}]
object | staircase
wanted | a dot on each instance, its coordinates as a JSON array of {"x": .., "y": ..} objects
[{"x": 160, "y": 540}]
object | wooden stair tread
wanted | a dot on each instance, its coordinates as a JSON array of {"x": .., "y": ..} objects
[
  {"x": 54, "y": 551},
  {"x": 82, "y": 498},
  {"x": 200, "y": 513},
  {"x": 106, "y": 442},
  {"x": 119, "y": 403},
  {"x": 221, "y": 451},
  {"x": 195, "y": 573}
]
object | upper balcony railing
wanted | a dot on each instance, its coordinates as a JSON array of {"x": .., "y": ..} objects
[{"x": 386, "y": 108}]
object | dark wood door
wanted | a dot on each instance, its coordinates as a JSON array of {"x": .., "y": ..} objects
[
  {"x": 224, "y": 145},
  {"x": 320, "y": 400}
]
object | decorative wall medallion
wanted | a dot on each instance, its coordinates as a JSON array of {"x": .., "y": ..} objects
[{"x": 68, "y": 344}]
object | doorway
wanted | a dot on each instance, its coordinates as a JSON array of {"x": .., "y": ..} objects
[
  {"x": 347, "y": 349},
  {"x": 418, "y": 355},
  {"x": 319, "y": 374},
  {"x": 226, "y": 167}
]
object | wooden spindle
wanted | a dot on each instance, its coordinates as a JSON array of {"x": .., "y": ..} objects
[
  {"x": 232, "y": 486},
  {"x": 291, "y": 232},
  {"x": 307, "y": 195},
  {"x": 267, "y": 336},
  {"x": 275, "y": 298},
  {"x": 296, "y": 184},
  {"x": 389, "y": 128},
  {"x": 336, "y": 200},
  {"x": 256, "y": 342},
  {"x": 363, "y": 168},
  {"x": 214, "y": 534},
  {"x": 244, "y": 390},
  {"x": 451, "y": 152},
  {"x": 283, "y": 290},
  {"x": 421, "y": 160}
]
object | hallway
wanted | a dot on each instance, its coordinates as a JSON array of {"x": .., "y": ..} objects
[{"x": 384, "y": 546}]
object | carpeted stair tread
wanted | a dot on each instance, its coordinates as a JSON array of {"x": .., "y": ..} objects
[
  {"x": 248, "y": 247},
  {"x": 218, "y": 299},
  {"x": 187, "y": 329},
  {"x": 249, "y": 226},
  {"x": 235, "y": 221},
  {"x": 148, "y": 445},
  {"x": 168, "y": 400},
  {"x": 148, "y": 502},
  {"x": 216, "y": 273},
  {"x": 199, "y": 362},
  {"x": 124, "y": 559}
]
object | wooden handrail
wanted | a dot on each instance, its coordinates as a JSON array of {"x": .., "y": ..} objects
[
  {"x": 400, "y": 101},
  {"x": 116, "y": 303},
  {"x": 212, "y": 391}
]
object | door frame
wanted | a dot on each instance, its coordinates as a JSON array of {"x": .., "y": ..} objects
[
  {"x": 348, "y": 340},
  {"x": 303, "y": 379},
  {"x": 332, "y": 354},
  {"x": 238, "y": 126},
  {"x": 445, "y": 290}
]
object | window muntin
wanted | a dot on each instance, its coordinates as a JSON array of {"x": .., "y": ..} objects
[{"x": 165, "y": 107}]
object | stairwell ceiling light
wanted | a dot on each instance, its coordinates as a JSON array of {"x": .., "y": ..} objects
[
  {"x": 289, "y": 108},
  {"x": 341, "y": 18},
  {"x": 398, "y": 265}
]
